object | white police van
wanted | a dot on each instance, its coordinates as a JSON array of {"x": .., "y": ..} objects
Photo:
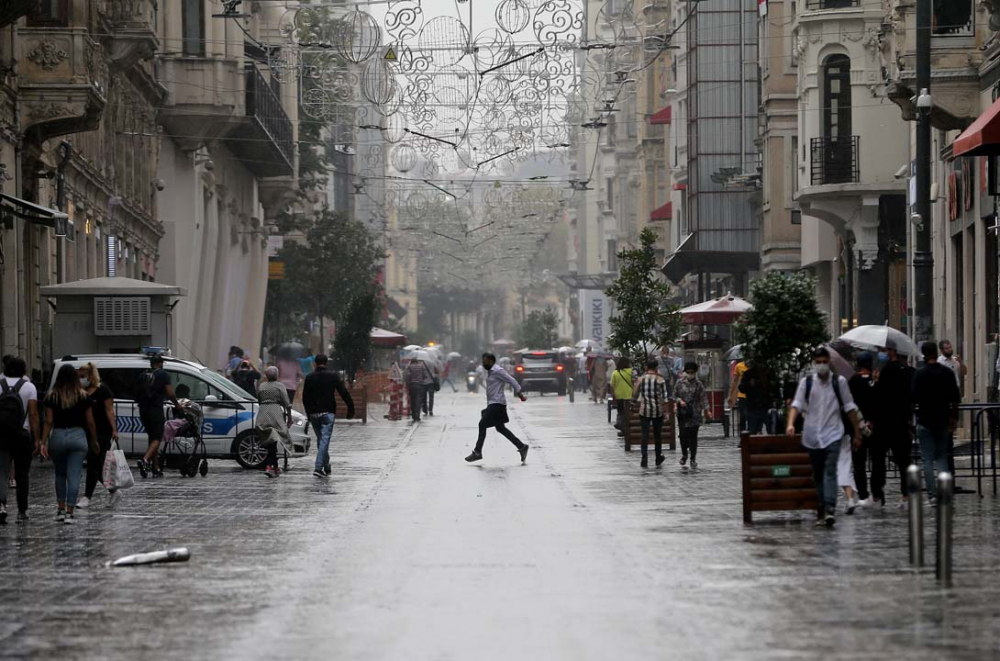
[{"x": 229, "y": 412}]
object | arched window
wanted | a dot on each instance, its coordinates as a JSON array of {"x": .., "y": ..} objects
[
  {"x": 835, "y": 153},
  {"x": 837, "y": 97}
]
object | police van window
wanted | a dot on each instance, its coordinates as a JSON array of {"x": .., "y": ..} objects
[
  {"x": 188, "y": 386},
  {"x": 121, "y": 380}
]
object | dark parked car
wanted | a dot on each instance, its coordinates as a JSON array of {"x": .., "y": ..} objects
[{"x": 540, "y": 371}]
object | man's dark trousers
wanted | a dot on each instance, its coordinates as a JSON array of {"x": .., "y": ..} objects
[{"x": 495, "y": 415}]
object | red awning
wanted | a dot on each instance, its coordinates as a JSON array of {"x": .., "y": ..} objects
[
  {"x": 666, "y": 212},
  {"x": 664, "y": 116},
  {"x": 983, "y": 137}
]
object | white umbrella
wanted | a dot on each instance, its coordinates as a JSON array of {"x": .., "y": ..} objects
[
  {"x": 589, "y": 344},
  {"x": 412, "y": 347},
  {"x": 422, "y": 355},
  {"x": 454, "y": 354},
  {"x": 874, "y": 337}
]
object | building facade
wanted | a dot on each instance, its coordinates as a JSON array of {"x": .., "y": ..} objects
[{"x": 163, "y": 133}]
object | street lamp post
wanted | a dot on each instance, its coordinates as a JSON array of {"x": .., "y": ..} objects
[{"x": 923, "y": 259}]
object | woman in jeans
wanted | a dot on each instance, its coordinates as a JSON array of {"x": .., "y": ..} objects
[
  {"x": 69, "y": 430},
  {"x": 651, "y": 393},
  {"x": 275, "y": 413},
  {"x": 691, "y": 403},
  {"x": 103, "y": 407}
]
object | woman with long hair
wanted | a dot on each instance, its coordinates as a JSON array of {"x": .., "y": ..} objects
[
  {"x": 69, "y": 430},
  {"x": 103, "y": 407}
]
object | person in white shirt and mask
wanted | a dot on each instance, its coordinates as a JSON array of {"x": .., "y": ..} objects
[{"x": 824, "y": 398}]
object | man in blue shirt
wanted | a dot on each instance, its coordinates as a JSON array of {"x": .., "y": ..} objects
[{"x": 495, "y": 413}]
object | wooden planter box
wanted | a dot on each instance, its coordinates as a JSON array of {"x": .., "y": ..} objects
[
  {"x": 632, "y": 428},
  {"x": 777, "y": 475},
  {"x": 359, "y": 393}
]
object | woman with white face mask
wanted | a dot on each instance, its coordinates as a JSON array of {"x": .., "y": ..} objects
[{"x": 103, "y": 407}]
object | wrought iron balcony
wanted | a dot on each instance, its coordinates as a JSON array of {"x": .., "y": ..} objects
[
  {"x": 815, "y": 5},
  {"x": 835, "y": 160},
  {"x": 271, "y": 150}
]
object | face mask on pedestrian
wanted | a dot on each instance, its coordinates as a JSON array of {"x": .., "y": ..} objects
[
  {"x": 822, "y": 369},
  {"x": 690, "y": 375},
  {"x": 883, "y": 358},
  {"x": 85, "y": 382}
]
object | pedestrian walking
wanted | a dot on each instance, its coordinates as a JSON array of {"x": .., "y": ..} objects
[
  {"x": 319, "y": 397},
  {"x": 69, "y": 432},
  {"x": 307, "y": 363},
  {"x": 692, "y": 410},
  {"x": 599, "y": 379},
  {"x": 233, "y": 361},
  {"x": 446, "y": 375},
  {"x": 824, "y": 399},
  {"x": 417, "y": 375},
  {"x": 936, "y": 396},
  {"x": 622, "y": 387},
  {"x": 862, "y": 386},
  {"x": 757, "y": 398},
  {"x": 955, "y": 364},
  {"x": 894, "y": 420},
  {"x": 651, "y": 393},
  {"x": 431, "y": 384},
  {"x": 102, "y": 405},
  {"x": 738, "y": 398},
  {"x": 289, "y": 375},
  {"x": 153, "y": 389},
  {"x": 495, "y": 413},
  {"x": 274, "y": 415},
  {"x": 19, "y": 434},
  {"x": 246, "y": 377}
]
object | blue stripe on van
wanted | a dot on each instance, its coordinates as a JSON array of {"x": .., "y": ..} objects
[{"x": 211, "y": 426}]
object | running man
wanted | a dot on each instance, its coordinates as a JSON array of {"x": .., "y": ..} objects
[{"x": 495, "y": 413}]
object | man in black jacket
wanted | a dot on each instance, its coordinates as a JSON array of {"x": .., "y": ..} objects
[
  {"x": 320, "y": 402},
  {"x": 894, "y": 419},
  {"x": 862, "y": 386}
]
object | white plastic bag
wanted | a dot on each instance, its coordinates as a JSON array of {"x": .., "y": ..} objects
[
  {"x": 123, "y": 474},
  {"x": 109, "y": 476}
]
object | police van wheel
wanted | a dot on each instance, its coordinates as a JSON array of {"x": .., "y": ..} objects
[{"x": 248, "y": 451}]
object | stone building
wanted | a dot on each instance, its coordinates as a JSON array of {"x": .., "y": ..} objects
[{"x": 163, "y": 132}]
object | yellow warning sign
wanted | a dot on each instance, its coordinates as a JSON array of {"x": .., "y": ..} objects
[{"x": 390, "y": 54}]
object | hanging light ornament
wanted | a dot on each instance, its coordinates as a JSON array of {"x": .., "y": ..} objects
[
  {"x": 512, "y": 16},
  {"x": 358, "y": 37},
  {"x": 378, "y": 84},
  {"x": 446, "y": 39},
  {"x": 404, "y": 158}
]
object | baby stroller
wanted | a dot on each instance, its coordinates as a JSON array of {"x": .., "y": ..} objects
[{"x": 183, "y": 445}]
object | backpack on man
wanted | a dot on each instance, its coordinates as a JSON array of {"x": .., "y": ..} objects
[
  {"x": 12, "y": 411},
  {"x": 844, "y": 418}
]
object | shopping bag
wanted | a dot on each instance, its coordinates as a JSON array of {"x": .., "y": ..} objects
[
  {"x": 123, "y": 473},
  {"x": 109, "y": 475}
]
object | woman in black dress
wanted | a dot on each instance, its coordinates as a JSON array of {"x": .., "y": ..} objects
[{"x": 103, "y": 407}]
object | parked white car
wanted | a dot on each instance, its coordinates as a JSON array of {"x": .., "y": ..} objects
[{"x": 230, "y": 413}]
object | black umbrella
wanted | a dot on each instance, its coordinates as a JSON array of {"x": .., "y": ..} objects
[{"x": 291, "y": 351}]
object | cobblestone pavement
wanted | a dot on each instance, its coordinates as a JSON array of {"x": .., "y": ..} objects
[{"x": 410, "y": 553}]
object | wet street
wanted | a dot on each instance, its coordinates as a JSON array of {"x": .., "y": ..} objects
[{"x": 410, "y": 553}]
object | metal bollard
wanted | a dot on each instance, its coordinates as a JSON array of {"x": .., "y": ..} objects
[
  {"x": 945, "y": 525},
  {"x": 916, "y": 516}
]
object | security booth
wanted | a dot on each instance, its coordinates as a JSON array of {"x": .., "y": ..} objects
[{"x": 112, "y": 315}]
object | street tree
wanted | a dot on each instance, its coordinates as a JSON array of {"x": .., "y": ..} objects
[
  {"x": 784, "y": 326},
  {"x": 538, "y": 330},
  {"x": 336, "y": 263},
  {"x": 644, "y": 317},
  {"x": 353, "y": 345}
]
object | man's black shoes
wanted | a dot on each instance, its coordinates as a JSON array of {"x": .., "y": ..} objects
[
  {"x": 524, "y": 453},
  {"x": 475, "y": 456}
]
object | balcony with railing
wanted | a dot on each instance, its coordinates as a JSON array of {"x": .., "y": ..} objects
[
  {"x": 212, "y": 99},
  {"x": 265, "y": 141},
  {"x": 835, "y": 160}
]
